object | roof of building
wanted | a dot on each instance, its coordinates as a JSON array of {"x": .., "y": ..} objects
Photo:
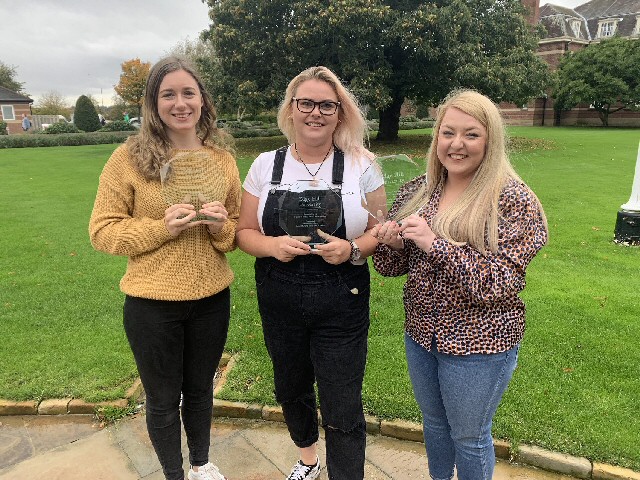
[
  {"x": 560, "y": 21},
  {"x": 7, "y": 95},
  {"x": 607, "y": 8}
]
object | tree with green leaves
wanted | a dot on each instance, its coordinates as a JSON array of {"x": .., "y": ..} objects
[
  {"x": 8, "y": 80},
  {"x": 132, "y": 81},
  {"x": 385, "y": 50},
  {"x": 85, "y": 116},
  {"x": 605, "y": 75}
]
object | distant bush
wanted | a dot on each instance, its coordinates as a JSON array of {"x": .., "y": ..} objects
[
  {"x": 85, "y": 115},
  {"x": 249, "y": 128},
  {"x": 118, "y": 126},
  {"x": 3, "y": 128},
  {"x": 412, "y": 123},
  {"x": 267, "y": 118},
  {"x": 63, "y": 139},
  {"x": 404, "y": 124},
  {"x": 61, "y": 127}
]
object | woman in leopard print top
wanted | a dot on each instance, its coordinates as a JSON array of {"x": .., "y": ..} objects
[{"x": 469, "y": 228}]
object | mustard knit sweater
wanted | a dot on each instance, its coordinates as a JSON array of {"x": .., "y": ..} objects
[{"x": 128, "y": 219}]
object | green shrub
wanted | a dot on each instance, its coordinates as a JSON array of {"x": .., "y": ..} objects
[
  {"x": 63, "y": 139},
  {"x": 422, "y": 111},
  {"x": 61, "y": 127},
  {"x": 85, "y": 116},
  {"x": 118, "y": 126},
  {"x": 3, "y": 128},
  {"x": 253, "y": 132},
  {"x": 271, "y": 118}
]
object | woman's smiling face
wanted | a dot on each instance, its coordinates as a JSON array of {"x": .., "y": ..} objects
[
  {"x": 179, "y": 102},
  {"x": 462, "y": 143},
  {"x": 314, "y": 129}
]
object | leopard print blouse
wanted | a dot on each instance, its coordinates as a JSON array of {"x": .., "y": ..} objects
[{"x": 466, "y": 301}]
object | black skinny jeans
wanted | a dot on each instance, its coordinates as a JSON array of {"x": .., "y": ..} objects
[
  {"x": 177, "y": 347},
  {"x": 315, "y": 327}
]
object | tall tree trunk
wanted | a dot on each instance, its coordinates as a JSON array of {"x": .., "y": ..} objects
[
  {"x": 390, "y": 120},
  {"x": 604, "y": 117}
]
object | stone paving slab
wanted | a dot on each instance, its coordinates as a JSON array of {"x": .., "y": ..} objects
[
  {"x": 94, "y": 456},
  {"x": 243, "y": 449},
  {"x": 22, "y": 437}
]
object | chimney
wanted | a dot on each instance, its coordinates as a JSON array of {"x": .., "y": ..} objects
[{"x": 533, "y": 10}]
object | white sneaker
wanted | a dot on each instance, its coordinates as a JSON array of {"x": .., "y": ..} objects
[
  {"x": 300, "y": 471},
  {"x": 206, "y": 472}
]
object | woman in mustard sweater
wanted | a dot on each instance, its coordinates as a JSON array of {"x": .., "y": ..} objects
[{"x": 177, "y": 305}]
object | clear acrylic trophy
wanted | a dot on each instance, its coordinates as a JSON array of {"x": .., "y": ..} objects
[
  {"x": 192, "y": 177},
  {"x": 308, "y": 206},
  {"x": 395, "y": 170}
]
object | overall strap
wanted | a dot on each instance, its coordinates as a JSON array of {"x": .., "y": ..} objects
[
  {"x": 338, "y": 166},
  {"x": 278, "y": 165}
]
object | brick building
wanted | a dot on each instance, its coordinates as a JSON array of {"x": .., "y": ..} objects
[
  {"x": 570, "y": 30},
  {"x": 12, "y": 106}
]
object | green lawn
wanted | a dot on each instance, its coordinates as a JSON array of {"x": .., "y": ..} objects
[{"x": 574, "y": 391}]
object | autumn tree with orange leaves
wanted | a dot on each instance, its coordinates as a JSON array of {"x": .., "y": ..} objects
[{"x": 132, "y": 81}]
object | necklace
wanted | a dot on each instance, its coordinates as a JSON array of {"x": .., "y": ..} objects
[{"x": 314, "y": 182}]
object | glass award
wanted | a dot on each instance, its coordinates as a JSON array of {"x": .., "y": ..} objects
[
  {"x": 192, "y": 177},
  {"x": 395, "y": 171},
  {"x": 308, "y": 206}
]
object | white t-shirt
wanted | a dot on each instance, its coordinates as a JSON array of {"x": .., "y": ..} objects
[{"x": 258, "y": 184}]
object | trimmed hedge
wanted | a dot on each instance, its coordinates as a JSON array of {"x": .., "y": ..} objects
[
  {"x": 60, "y": 127},
  {"x": 85, "y": 116},
  {"x": 118, "y": 126},
  {"x": 62, "y": 139},
  {"x": 102, "y": 137}
]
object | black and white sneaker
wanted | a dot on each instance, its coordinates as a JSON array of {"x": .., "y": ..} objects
[{"x": 300, "y": 471}]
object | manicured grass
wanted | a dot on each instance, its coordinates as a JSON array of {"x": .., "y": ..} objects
[{"x": 575, "y": 389}]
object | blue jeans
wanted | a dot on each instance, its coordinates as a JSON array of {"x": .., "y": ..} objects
[
  {"x": 315, "y": 325},
  {"x": 177, "y": 346},
  {"x": 458, "y": 396}
]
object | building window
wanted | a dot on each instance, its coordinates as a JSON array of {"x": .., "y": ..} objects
[
  {"x": 8, "y": 113},
  {"x": 606, "y": 28},
  {"x": 575, "y": 27}
]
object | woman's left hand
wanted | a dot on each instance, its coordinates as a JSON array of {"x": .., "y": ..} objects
[
  {"x": 417, "y": 229},
  {"x": 218, "y": 214},
  {"x": 335, "y": 251}
]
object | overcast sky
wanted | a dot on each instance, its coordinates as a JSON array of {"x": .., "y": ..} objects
[
  {"x": 76, "y": 47},
  {"x": 565, "y": 3}
]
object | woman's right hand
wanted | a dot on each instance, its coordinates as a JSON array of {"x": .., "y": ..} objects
[
  {"x": 388, "y": 233},
  {"x": 178, "y": 217},
  {"x": 286, "y": 248}
]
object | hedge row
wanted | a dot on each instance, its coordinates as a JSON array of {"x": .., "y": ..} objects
[
  {"x": 101, "y": 137},
  {"x": 62, "y": 139},
  {"x": 97, "y": 138}
]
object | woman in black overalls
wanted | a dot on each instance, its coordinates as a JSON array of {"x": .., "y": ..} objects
[{"x": 314, "y": 303}]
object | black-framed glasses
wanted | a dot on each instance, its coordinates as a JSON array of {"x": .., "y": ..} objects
[{"x": 325, "y": 107}]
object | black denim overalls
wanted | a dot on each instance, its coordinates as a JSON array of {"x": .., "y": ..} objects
[{"x": 315, "y": 320}]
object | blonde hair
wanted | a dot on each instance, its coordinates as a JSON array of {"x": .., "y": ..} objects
[
  {"x": 351, "y": 131},
  {"x": 473, "y": 218},
  {"x": 151, "y": 147}
]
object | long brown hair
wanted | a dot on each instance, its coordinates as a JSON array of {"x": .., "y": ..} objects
[{"x": 151, "y": 147}]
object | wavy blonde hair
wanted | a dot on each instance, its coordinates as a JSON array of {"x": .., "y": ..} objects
[
  {"x": 351, "y": 131},
  {"x": 474, "y": 216},
  {"x": 151, "y": 147}
]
